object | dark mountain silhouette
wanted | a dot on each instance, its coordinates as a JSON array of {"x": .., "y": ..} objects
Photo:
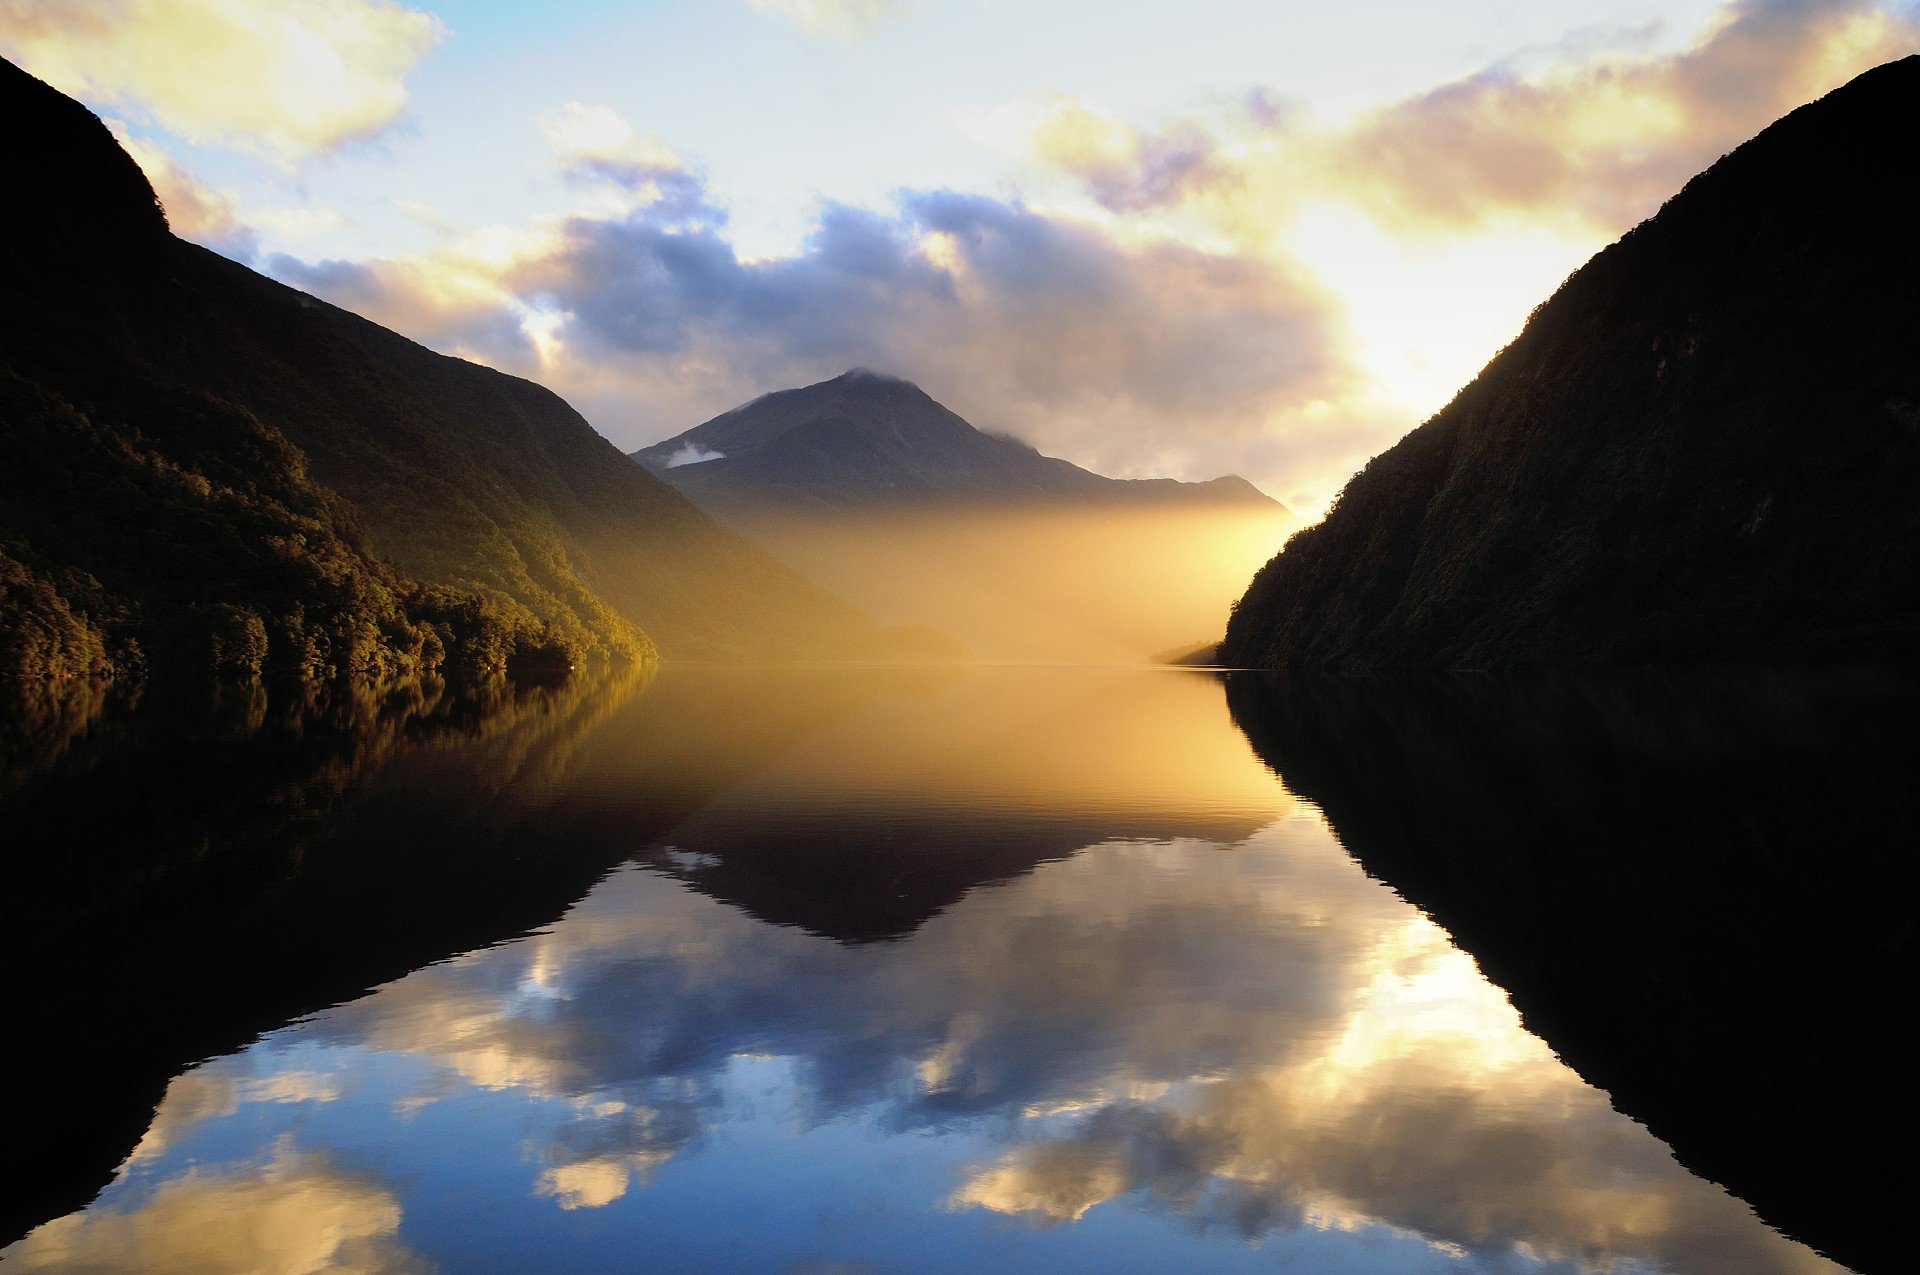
[
  {"x": 1704, "y": 446},
  {"x": 200, "y": 465},
  {"x": 868, "y": 485},
  {"x": 863, "y": 439},
  {"x": 1697, "y": 887}
]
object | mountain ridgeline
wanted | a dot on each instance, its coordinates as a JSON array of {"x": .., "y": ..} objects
[
  {"x": 1704, "y": 447},
  {"x": 867, "y": 484},
  {"x": 864, "y": 440},
  {"x": 204, "y": 470}
]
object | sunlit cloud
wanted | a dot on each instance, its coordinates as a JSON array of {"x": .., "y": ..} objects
[
  {"x": 217, "y": 1089},
  {"x": 1082, "y": 341},
  {"x": 1600, "y": 145},
  {"x": 297, "y": 1212},
  {"x": 1247, "y": 287},
  {"x": 194, "y": 209},
  {"x": 1587, "y": 146},
  {"x": 844, "y": 19},
  {"x": 595, "y": 147},
  {"x": 1371, "y": 1078},
  {"x": 452, "y": 299},
  {"x": 1439, "y": 220},
  {"x": 283, "y": 78}
]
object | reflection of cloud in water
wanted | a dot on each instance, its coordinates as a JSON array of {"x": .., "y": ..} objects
[
  {"x": 1256, "y": 1039},
  {"x": 218, "y": 1088},
  {"x": 293, "y": 1213}
]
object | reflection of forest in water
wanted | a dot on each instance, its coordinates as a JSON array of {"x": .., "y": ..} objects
[
  {"x": 1085, "y": 989},
  {"x": 183, "y": 875},
  {"x": 1696, "y": 885},
  {"x": 1177, "y": 994},
  {"x": 177, "y": 877}
]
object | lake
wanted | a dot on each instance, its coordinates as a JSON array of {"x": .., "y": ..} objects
[{"x": 830, "y": 970}]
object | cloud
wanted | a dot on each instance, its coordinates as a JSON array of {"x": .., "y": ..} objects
[
  {"x": 1241, "y": 1031},
  {"x": 845, "y": 19},
  {"x": 1592, "y": 142},
  {"x": 595, "y": 146},
  {"x": 1093, "y": 1017},
  {"x": 194, "y": 210},
  {"x": 1126, "y": 169},
  {"x": 283, "y": 78},
  {"x": 447, "y": 301},
  {"x": 692, "y": 454},
  {"x": 293, "y": 1213},
  {"x": 1064, "y": 332},
  {"x": 1254, "y": 290},
  {"x": 1604, "y": 143}
]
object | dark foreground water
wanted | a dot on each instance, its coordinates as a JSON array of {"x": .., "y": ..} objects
[{"x": 817, "y": 971}]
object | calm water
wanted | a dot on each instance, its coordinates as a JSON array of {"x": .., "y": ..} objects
[{"x": 1022, "y": 970}]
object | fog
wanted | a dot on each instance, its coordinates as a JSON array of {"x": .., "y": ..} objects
[{"x": 1031, "y": 585}]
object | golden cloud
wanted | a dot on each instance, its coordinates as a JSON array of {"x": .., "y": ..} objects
[
  {"x": 295, "y": 1214},
  {"x": 1591, "y": 144},
  {"x": 283, "y": 78},
  {"x": 1600, "y": 144},
  {"x": 194, "y": 210}
]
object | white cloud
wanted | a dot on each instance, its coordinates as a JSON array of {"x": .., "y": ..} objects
[
  {"x": 282, "y": 78},
  {"x": 845, "y": 19}
]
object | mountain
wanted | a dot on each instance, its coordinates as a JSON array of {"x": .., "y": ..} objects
[
  {"x": 863, "y": 439},
  {"x": 869, "y": 485},
  {"x": 1704, "y": 446},
  {"x": 1694, "y": 884},
  {"x": 201, "y": 466}
]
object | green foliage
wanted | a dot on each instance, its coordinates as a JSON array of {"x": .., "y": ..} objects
[
  {"x": 187, "y": 531},
  {"x": 41, "y": 634}
]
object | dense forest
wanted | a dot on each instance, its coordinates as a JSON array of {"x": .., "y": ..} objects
[
  {"x": 201, "y": 469},
  {"x": 1703, "y": 447}
]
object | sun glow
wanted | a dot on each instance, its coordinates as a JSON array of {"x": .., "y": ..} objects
[{"x": 1424, "y": 315}]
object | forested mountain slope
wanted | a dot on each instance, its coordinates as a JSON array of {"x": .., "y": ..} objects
[
  {"x": 1705, "y": 446},
  {"x": 197, "y": 461}
]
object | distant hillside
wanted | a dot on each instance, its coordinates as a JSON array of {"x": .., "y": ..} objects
[
  {"x": 869, "y": 485},
  {"x": 199, "y": 465},
  {"x": 863, "y": 439},
  {"x": 1706, "y": 445}
]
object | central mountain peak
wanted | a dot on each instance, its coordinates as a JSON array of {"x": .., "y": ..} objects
[{"x": 865, "y": 438}]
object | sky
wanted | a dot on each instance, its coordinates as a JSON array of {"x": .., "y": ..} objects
[{"x": 1182, "y": 240}]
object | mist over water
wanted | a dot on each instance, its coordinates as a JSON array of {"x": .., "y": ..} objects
[
  {"x": 831, "y": 969},
  {"x": 1038, "y": 584}
]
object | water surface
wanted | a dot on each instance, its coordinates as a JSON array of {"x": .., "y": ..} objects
[{"x": 1010, "y": 969}]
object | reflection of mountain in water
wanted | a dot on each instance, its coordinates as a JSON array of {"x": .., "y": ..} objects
[
  {"x": 264, "y": 860},
  {"x": 859, "y": 874},
  {"x": 867, "y": 830},
  {"x": 1698, "y": 891},
  {"x": 1172, "y": 1055}
]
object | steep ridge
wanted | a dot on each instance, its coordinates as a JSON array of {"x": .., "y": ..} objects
[
  {"x": 867, "y": 484},
  {"x": 1703, "y": 447},
  {"x": 159, "y": 397}
]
